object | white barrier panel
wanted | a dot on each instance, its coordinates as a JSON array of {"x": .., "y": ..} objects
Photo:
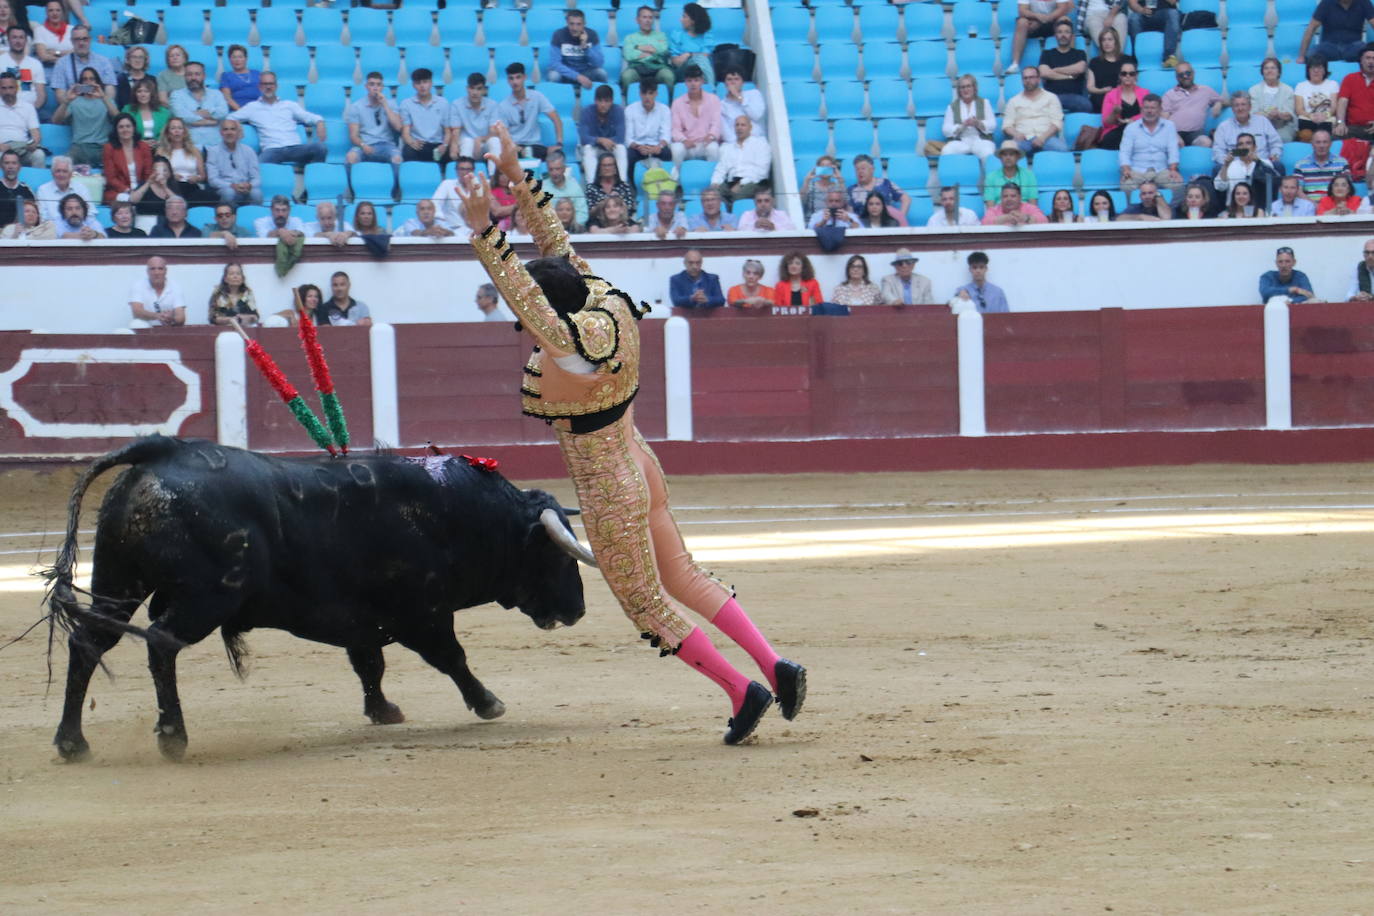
[
  {"x": 972, "y": 416},
  {"x": 1278, "y": 379},
  {"x": 677, "y": 378},
  {"x": 386, "y": 416},
  {"x": 231, "y": 390}
]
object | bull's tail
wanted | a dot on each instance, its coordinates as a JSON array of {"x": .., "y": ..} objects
[{"x": 65, "y": 610}]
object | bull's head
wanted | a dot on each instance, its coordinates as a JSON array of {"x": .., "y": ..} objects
[{"x": 550, "y": 584}]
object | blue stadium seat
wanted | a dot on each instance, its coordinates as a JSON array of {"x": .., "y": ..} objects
[
  {"x": 196, "y": 216},
  {"x": 290, "y": 63},
  {"x": 325, "y": 180},
  {"x": 251, "y": 213},
  {"x": 1101, "y": 168},
  {"x": 1286, "y": 42},
  {"x": 278, "y": 178},
  {"x": 305, "y": 212},
  {"x": 372, "y": 180},
  {"x": 457, "y": 26},
  {"x": 418, "y": 179},
  {"x": 326, "y": 99},
  {"x": 505, "y": 55},
  {"x": 1210, "y": 76},
  {"x": 918, "y": 214},
  {"x": 184, "y": 26},
  {"x": 897, "y": 136},
  {"x": 277, "y": 26},
  {"x": 695, "y": 176},
  {"x": 367, "y": 26},
  {"x": 924, "y": 21},
  {"x": 564, "y": 98},
  {"x": 878, "y": 22},
  {"x": 803, "y": 98},
  {"x": 612, "y": 61},
  {"x": 1053, "y": 169},
  {"x": 1293, "y": 152},
  {"x": 834, "y": 25},
  {"x": 413, "y": 26},
  {"x": 625, "y": 23},
  {"x": 598, "y": 21},
  {"x": 972, "y": 199},
  {"x": 383, "y": 59},
  {"x": 931, "y": 97},
  {"x": 1076, "y": 121},
  {"x": 335, "y": 63},
  {"x": 429, "y": 57},
  {"x": 809, "y": 138},
  {"x": 501, "y": 27},
  {"x": 882, "y": 60},
  {"x": 229, "y": 26},
  {"x": 323, "y": 25},
  {"x": 839, "y": 61},
  {"x": 927, "y": 60},
  {"x": 853, "y": 137},
  {"x": 1155, "y": 78},
  {"x": 55, "y": 137},
  {"x": 1149, "y": 48},
  {"x": 1245, "y": 14},
  {"x": 962, "y": 170},
  {"x": 796, "y": 62},
  {"x": 337, "y": 145},
  {"x": 908, "y": 172},
  {"x": 1245, "y": 48},
  {"x": 541, "y": 22},
  {"x": 790, "y": 24},
  {"x": 727, "y": 25},
  {"x": 889, "y": 99},
  {"x": 1291, "y": 14},
  {"x": 844, "y": 99},
  {"x": 250, "y": 138},
  {"x": 975, "y": 55},
  {"x": 400, "y": 213},
  {"x": 972, "y": 18},
  {"x": 1201, "y": 47}
]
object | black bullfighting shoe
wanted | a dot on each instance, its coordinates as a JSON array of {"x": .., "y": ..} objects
[
  {"x": 757, "y": 699},
  {"x": 791, "y": 679}
]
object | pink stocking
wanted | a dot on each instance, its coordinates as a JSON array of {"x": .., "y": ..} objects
[
  {"x": 697, "y": 651},
  {"x": 734, "y": 623}
]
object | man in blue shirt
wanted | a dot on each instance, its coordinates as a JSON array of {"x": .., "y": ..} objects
[
  {"x": 601, "y": 129},
  {"x": 1342, "y": 24},
  {"x": 373, "y": 125},
  {"x": 520, "y": 113},
  {"x": 985, "y": 296},
  {"x": 425, "y": 121},
  {"x": 1290, "y": 202},
  {"x": 694, "y": 288},
  {"x": 1286, "y": 281},
  {"x": 575, "y": 53},
  {"x": 202, "y": 109}
]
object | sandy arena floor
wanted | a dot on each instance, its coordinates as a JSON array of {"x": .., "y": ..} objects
[{"x": 1136, "y": 691}]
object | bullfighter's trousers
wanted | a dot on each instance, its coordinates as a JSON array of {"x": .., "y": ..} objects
[{"x": 637, "y": 544}]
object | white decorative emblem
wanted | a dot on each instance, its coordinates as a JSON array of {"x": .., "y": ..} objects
[{"x": 36, "y": 428}]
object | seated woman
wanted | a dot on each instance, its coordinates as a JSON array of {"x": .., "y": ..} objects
[
  {"x": 820, "y": 181},
  {"x": 135, "y": 68},
  {"x": 150, "y": 198},
  {"x": 89, "y": 110},
  {"x": 1196, "y": 204},
  {"x": 1242, "y": 205},
  {"x": 128, "y": 161},
  {"x": 566, "y": 212},
  {"x": 610, "y": 217},
  {"x": 173, "y": 76},
  {"x": 365, "y": 219},
  {"x": 232, "y": 300},
  {"x": 122, "y": 222},
  {"x": 751, "y": 294},
  {"x": 797, "y": 285},
  {"x": 857, "y": 288},
  {"x": 607, "y": 183},
  {"x": 1120, "y": 106},
  {"x": 876, "y": 213},
  {"x": 188, "y": 165},
  {"x": 147, "y": 110},
  {"x": 1104, "y": 70},
  {"x": 1273, "y": 99},
  {"x": 30, "y": 225},
  {"x": 1314, "y": 99},
  {"x": 1340, "y": 199},
  {"x": 692, "y": 43},
  {"x": 1062, "y": 208},
  {"x": 1101, "y": 208},
  {"x": 239, "y": 84}
]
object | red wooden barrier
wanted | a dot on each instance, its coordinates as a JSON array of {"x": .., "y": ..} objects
[{"x": 1332, "y": 347}]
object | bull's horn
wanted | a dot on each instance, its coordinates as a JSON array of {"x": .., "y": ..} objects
[{"x": 564, "y": 538}]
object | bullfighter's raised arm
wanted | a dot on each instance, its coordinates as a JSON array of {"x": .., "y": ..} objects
[{"x": 536, "y": 204}]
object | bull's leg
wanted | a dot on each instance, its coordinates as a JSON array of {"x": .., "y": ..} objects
[
  {"x": 175, "y": 626},
  {"x": 369, "y": 664},
  {"x": 85, "y": 647},
  {"x": 435, "y": 642}
]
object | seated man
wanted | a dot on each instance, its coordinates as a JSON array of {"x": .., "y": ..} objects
[
  {"x": 1035, "y": 19},
  {"x": 1151, "y": 208},
  {"x": 949, "y": 213},
  {"x": 1354, "y": 104},
  {"x": 1268, "y": 144},
  {"x": 1285, "y": 281},
  {"x": 327, "y": 225},
  {"x": 1064, "y": 70},
  {"x": 696, "y": 120},
  {"x": 66, "y": 73},
  {"x": 836, "y": 212},
  {"x": 694, "y": 288},
  {"x": 520, "y": 112},
  {"x": 51, "y": 193},
  {"x": 1244, "y": 164},
  {"x": 1034, "y": 117},
  {"x": 155, "y": 300},
  {"x": 470, "y": 118},
  {"x": 712, "y": 218},
  {"x": 489, "y": 304},
  {"x": 575, "y": 53},
  {"x": 866, "y": 182},
  {"x": 765, "y": 217},
  {"x": 446, "y": 196},
  {"x": 173, "y": 224},
  {"x": 231, "y": 167},
  {"x": 1315, "y": 172},
  {"x": 1157, "y": 16},
  {"x": 601, "y": 129},
  {"x": 904, "y": 286},
  {"x": 744, "y": 164},
  {"x": 74, "y": 220},
  {"x": 560, "y": 183},
  {"x": 1188, "y": 106},
  {"x": 1290, "y": 202},
  {"x": 280, "y": 225},
  {"x": 226, "y": 225},
  {"x": 425, "y": 121},
  {"x": 1362, "y": 284},
  {"x": 648, "y": 128},
  {"x": 1342, "y": 23},
  {"x": 275, "y": 120},
  {"x": 1012, "y": 210},
  {"x": 12, "y": 190},
  {"x": 741, "y": 101},
  {"x": 667, "y": 219},
  {"x": 645, "y": 53},
  {"x": 373, "y": 125},
  {"x": 19, "y": 124},
  {"x": 982, "y": 295},
  {"x": 202, "y": 109},
  {"x": 1149, "y": 149},
  {"x": 425, "y": 223}
]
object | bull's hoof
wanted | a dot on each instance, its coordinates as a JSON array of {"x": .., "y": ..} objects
[
  {"x": 171, "y": 741},
  {"x": 73, "y": 750},
  {"x": 490, "y": 708},
  {"x": 389, "y": 714}
]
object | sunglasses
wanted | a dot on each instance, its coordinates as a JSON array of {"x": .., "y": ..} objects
[{"x": 1284, "y": 250}]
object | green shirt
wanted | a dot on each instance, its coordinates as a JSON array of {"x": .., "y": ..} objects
[
  {"x": 992, "y": 184},
  {"x": 631, "y": 53},
  {"x": 90, "y": 120}
]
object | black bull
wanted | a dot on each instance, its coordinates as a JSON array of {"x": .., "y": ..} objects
[{"x": 358, "y": 553}]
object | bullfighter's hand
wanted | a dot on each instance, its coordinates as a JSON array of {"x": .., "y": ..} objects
[
  {"x": 508, "y": 160},
  {"x": 477, "y": 201}
]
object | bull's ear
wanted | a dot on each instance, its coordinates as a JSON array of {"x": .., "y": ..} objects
[{"x": 563, "y": 538}]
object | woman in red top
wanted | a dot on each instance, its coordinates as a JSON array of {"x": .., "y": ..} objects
[
  {"x": 798, "y": 286},
  {"x": 1340, "y": 199},
  {"x": 127, "y": 160}
]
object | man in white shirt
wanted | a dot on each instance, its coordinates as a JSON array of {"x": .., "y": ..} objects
[
  {"x": 425, "y": 224},
  {"x": 743, "y": 163},
  {"x": 648, "y": 127},
  {"x": 765, "y": 217},
  {"x": 280, "y": 224},
  {"x": 156, "y": 301},
  {"x": 276, "y": 120},
  {"x": 1290, "y": 202},
  {"x": 327, "y": 225},
  {"x": 836, "y": 212},
  {"x": 740, "y": 101},
  {"x": 19, "y": 124},
  {"x": 32, "y": 80},
  {"x": 446, "y": 197},
  {"x": 950, "y": 213},
  {"x": 50, "y": 193},
  {"x": 1034, "y": 118}
]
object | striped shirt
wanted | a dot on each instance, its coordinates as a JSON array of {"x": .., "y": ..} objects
[{"x": 1314, "y": 177}]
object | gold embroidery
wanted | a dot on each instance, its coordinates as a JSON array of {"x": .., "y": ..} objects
[
  {"x": 596, "y": 333},
  {"x": 524, "y": 295}
]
